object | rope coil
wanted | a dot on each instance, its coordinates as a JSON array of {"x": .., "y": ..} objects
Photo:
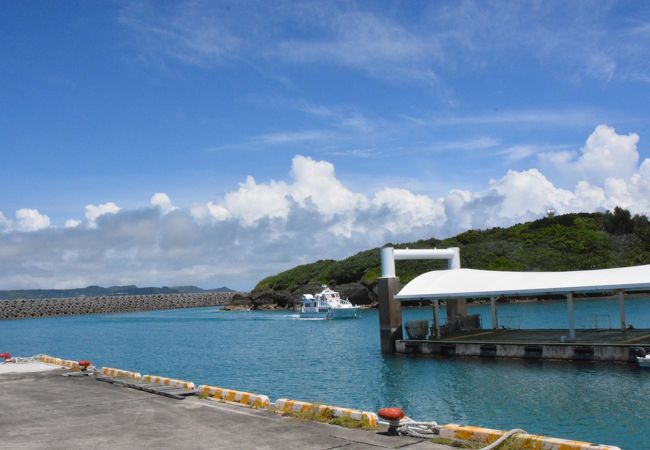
[{"x": 423, "y": 430}]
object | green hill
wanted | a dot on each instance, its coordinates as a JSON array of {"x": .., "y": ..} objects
[{"x": 555, "y": 243}]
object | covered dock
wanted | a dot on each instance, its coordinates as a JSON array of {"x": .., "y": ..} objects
[{"x": 455, "y": 285}]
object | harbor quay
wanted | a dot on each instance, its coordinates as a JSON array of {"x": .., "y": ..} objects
[
  {"x": 48, "y": 410},
  {"x": 55, "y": 403}
]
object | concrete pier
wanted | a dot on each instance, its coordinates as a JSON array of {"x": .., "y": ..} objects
[
  {"x": 49, "y": 411},
  {"x": 587, "y": 345},
  {"x": 390, "y": 313}
]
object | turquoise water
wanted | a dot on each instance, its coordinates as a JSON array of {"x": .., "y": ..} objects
[{"x": 338, "y": 362}]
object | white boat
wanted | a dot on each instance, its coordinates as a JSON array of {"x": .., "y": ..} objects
[
  {"x": 327, "y": 304},
  {"x": 642, "y": 356}
]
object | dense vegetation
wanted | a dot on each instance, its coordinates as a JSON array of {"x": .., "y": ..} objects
[
  {"x": 554, "y": 243},
  {"x": 98, "y": 291}
]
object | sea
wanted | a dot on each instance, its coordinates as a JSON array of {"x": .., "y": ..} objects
[{"x": 338, "y": 362}]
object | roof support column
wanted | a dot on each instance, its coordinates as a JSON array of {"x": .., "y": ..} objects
[
  {"x": 493, "y": 308},
  {"x": 621, "y": 306},
  {"x": 436, "y": 318},
  {"x": 390, "y": 313},
  {"x": 572, "y": 326}
]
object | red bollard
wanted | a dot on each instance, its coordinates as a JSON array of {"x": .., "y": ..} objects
[{"x": 393, "y": 416}]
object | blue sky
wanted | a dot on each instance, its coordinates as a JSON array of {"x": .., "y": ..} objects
[{"x": 359, "y": 122}]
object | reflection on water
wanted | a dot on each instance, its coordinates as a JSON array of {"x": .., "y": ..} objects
[{"x": 339, "y": 362}]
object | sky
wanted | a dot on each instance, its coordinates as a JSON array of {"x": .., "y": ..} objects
[{"x": 216, "y": 143}]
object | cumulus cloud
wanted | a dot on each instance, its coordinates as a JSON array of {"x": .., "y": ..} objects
[
  {"x": 31, "y": 220},
  {"x": 72, "y": 223},
  {"x": 94, "y": 212},
  {"x": 605, "y": 154},
  {"x": 315, "y": 186},
  {"x": 264, "y": 227},
  {"x": 162, "y": 201},
  {"x": 608, "y": 155}
]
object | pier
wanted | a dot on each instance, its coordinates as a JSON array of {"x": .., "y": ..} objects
[
  {"x": 48, "y": 410},
  {"x": 463, "y": 334},
  {"x": 60, "y": 403},
  {"x": 588, "y": 345}
]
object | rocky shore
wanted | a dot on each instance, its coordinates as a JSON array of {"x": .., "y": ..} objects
[{"x": 71, "y": 306}]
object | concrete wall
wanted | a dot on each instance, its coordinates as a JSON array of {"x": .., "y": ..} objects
[
  {"x": 574, "y": 352},
  {"x": 70, "y": 306}
]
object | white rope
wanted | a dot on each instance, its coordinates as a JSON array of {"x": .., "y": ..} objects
[
  {"x": 427, "y": 430},
  {"x": 499, "y": 441},
  {"x": 21, "y": 359},
  {"x": 424, "y": 430}
]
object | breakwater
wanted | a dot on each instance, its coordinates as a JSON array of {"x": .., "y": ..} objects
[{"x": 72, "y": 306}]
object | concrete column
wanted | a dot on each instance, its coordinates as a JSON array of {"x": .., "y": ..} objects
[
  {"x": 436, "y": 318},
  {"x": 572, "y": 326},
  {"x": 456, "y": 307},
  {"x": 493, "y": 307},
  {"x": 621, "y": 307},
  {"x": 390, "y": 313}
]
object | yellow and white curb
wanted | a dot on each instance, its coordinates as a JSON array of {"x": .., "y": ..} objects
[
  {"x": 119, "y": 373},
  {"x": 235, "y": 397},
  {"x": 524, "y": 441},
  {"x": 67, "y": 363},
  {"x": 181, "y": 384},
  {"x": 366, "y": 418}
]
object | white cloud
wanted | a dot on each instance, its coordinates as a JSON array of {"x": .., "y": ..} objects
[
  {"x": 210, "y": 211},
  {"x": 528, "y": 194},
  {"x": 407, "y": 210},
  {"x": 252, "y": 201},
  {"x": 5, "y": 224},
  {"x": 262, "y": 228},
  {"x": 72, "y": 223},
  {"x": 94, "y": 212},
  {"x": 316, "y": 182},
  {"x": 608, "y": 155},
  {"x": 31, "y": 220},
  {"x": 162, "y": 201}
]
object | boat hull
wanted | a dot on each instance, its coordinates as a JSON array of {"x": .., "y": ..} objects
[
  {"x": 644, "y": 362},
  {"x": 334, "y": 313},
  {"x": 343, "y": 313}
]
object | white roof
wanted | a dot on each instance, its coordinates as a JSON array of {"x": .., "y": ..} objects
[{"x": 458, "y": 283}]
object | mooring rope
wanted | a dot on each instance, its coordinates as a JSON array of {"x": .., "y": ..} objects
[
  {"x": 499, "y": 441},
  {"x": 428, "y": 430},
  {"x": 24, "y": 359},
  {"x": 423, "y": 430}
]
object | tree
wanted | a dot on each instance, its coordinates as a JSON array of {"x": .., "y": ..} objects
[{"x": 620, "y": 222}]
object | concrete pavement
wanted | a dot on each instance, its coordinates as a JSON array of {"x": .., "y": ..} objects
[{"x": 41, "y": 410}]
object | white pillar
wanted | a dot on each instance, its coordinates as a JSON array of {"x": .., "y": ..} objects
[
  {"x": 436, "y": 318},
  {"x": 493, "y": 307},
  {"x": 387, "y": 262},
  {"x": 572, "y": 327},
  {"x": 621, "y": 306}
]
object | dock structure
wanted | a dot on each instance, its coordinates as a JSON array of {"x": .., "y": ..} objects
[
  {"x": 462, "y": 335},
  {"x": 51, "y": 411}
]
